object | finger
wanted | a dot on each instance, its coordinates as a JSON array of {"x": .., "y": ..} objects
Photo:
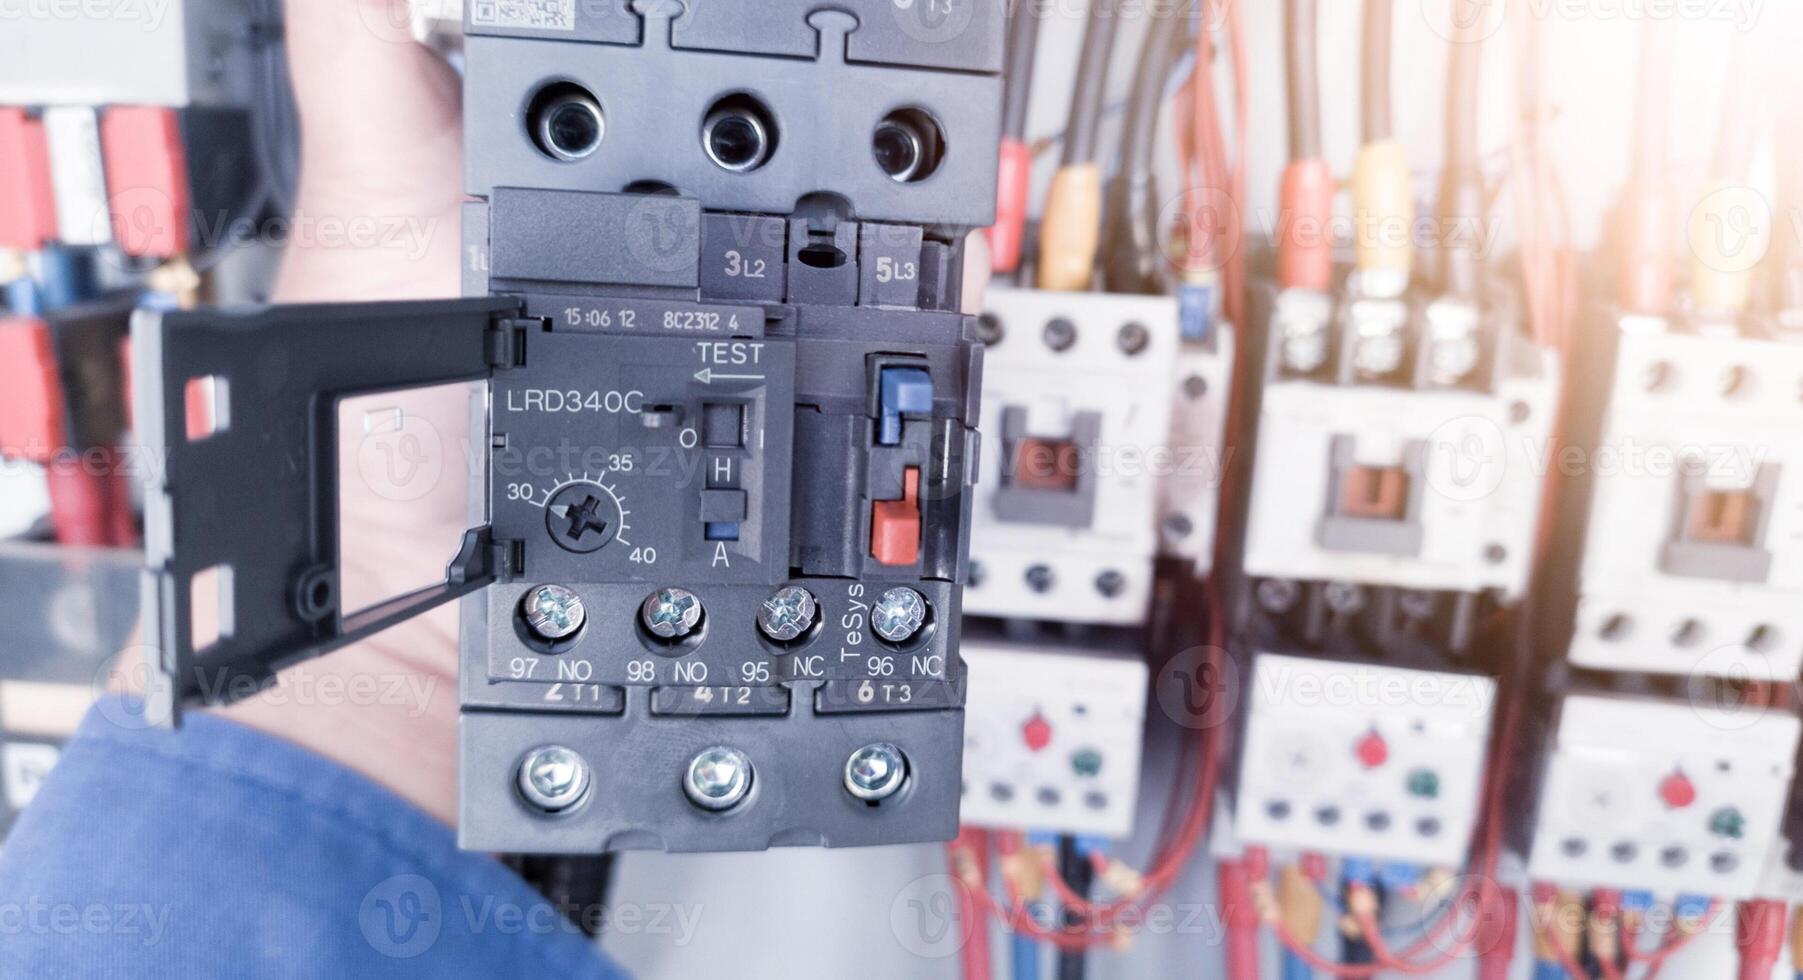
[{"x": 373, "y": 104}]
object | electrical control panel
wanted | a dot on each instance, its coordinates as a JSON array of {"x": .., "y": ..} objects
[
  {"x": 64, "y": 615},
  {"x": 1052, "y": 738},
  {"x": 1424, "y": 475},
  {"x": 711, "y": 595},
  {"x": 1084, "y": 394},
  {"x": 1666, "y": 796},
  {"x": 1362, "y": 759},
  {"x": 1693, "y": 554}
]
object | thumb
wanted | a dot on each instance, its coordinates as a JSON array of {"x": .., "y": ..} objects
[{"x": 378, "y": 111}]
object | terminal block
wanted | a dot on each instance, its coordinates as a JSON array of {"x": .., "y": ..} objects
[
  {"x": 1361, "y": 759},
  {"x": 1663, "y": 795},
  {"x": 1693, "y": 549},
  {"x": 1053, "y": 738},
  {"x": 1100, "y": 420},
  {"x": 1401, "y": 446},
  {"x": 711, "y": 595}
]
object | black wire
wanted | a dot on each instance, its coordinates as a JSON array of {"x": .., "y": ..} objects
[
  {"x": 1354, "y": 949},
  {"x": 1375, "y": 74},
  {"x": 1077, "y": 872},
  {"x": 1303, "y": 75},
  {"x": 1134, "y": 262},
  {"x": 1023, "y": 42},
  {"x": 576, "y": 885},
  {"x": 1462, "y": 183},
  {"x": 1092, "y": 84}
]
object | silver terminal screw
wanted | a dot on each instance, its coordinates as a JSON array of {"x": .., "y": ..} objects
[
  {"x": 553, "y": 612},
  {"x": 899, "y": 614},
  {"x": 875, "y": 771},
  {"x": 1344, "y": 598},
  {"x": 788, "y": 613},
  {"x": 1453, "y": 358},
  {"x": 1277, "y": 595},
  {"x": 671, "y": 614},
  {"x": 1377, "y": 352},
  {"x": 718, "y": 778},
  {"x": 553, "y": 778}
]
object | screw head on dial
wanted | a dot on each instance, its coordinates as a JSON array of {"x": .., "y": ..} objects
[{"x": 582, "y": 517}]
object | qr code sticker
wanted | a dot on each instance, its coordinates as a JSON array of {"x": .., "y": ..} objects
[{"x": 546, "y": 15}]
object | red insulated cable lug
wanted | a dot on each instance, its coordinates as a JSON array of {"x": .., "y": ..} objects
[
  {"x": 1013, "y": 182},
  {"x": 1759, "y": 935},
  {"x": 1305, "y": 229}
]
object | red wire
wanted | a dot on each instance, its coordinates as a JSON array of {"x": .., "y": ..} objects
[
  {"x": 974, "y": 954},
  {"x": 1674, "y": 941}
]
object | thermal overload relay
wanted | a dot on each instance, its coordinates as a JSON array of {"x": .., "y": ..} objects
[{"x": 726, "y": 428}]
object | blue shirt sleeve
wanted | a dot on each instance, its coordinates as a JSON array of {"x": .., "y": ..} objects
[{"x": 219, "y": 851}]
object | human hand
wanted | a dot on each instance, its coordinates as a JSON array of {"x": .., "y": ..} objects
[
  {"x": 382, "y": 141},
  {"x": 376, "y": 218}
]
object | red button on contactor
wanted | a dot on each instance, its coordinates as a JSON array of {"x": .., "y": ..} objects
[
  {"x": 1372, "y": 750},
  {"x": 1037, "y": 732},
  {"x": 1677, "y": 791},
  {"x": 895, "y": 524}
]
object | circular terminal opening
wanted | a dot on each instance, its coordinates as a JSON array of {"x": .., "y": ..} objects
[
  {"x": 738, "y": 133},
  {"x": 990, "y": 329},
  {"x": 908, "y": 145},
  {"x": 1133, "y": 338},
  {"x": 1616, "y": 628},
  {"x": 1661, "y": 376},
  {"x": 1060, "y": 333},
  {"x": 566, "y": 122}
]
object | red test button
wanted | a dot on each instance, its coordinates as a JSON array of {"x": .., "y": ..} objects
[
  {"x": 895, "y": 524},
  {"x": 1676, "y": 790},
  {"x": 1372, "y": 750},
  {"x": 1037, "y": 732}
]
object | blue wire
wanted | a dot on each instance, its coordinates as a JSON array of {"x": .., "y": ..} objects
[
  {"x": 1025, "y": 950},
  {"x": 1297, "y": 968},
  {"x": 1548, "y": 970}
]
